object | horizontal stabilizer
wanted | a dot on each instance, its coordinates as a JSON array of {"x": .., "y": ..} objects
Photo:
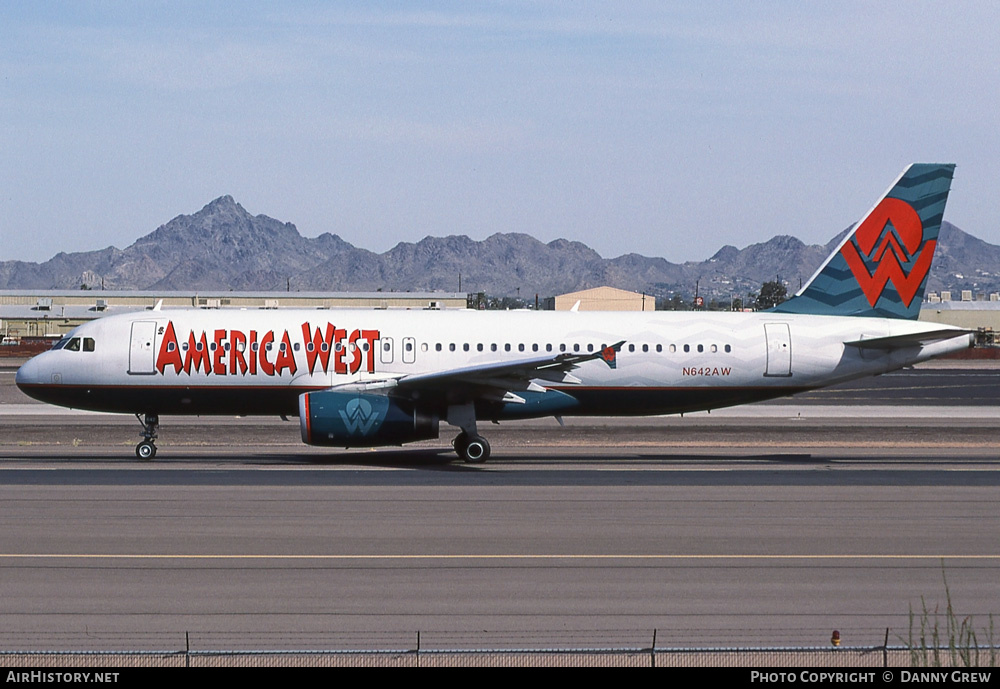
[{"x": 908, "y": 340}]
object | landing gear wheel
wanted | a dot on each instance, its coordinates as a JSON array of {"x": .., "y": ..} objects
[
  {"x": 475, "y": 449},
  {"x": 145, "y": 450},
  {"x": 150, "y": 425}
]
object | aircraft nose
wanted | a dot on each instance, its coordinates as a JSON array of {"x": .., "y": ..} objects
[{"x": 29, "y": 374}]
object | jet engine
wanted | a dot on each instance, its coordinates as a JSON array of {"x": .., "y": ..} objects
[{"x": 351, "y": 419}]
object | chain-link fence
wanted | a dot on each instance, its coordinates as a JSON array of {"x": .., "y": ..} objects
[{"x": 844, "y": 657}]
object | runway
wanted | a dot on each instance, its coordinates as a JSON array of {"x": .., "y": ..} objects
[{"x": 766, "y": 525}]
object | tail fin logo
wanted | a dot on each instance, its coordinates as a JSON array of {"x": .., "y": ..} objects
[{"x": 890, "y": 237}]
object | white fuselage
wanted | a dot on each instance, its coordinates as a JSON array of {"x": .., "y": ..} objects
[{"x": 196, "y": 361}]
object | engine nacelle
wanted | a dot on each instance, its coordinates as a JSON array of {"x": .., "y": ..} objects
[{"x": 351, "y": 419}]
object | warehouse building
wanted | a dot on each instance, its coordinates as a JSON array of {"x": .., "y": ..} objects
[
  {"x": 602, "y": 299},
  {"x": 50, "y": 313}
]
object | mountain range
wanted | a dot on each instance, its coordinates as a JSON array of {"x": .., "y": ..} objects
[{"x": 223, "y": 247}]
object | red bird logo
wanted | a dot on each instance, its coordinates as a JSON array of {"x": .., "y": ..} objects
[{"x": 610, "y": 356}]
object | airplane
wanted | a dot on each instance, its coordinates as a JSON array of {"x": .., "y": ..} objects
[{"x": 358, "y": 378}]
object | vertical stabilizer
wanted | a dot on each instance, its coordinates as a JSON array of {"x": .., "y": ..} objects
[{"x": 881, "y": 267}]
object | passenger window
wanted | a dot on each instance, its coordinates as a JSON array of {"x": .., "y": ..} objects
[
  {"x": 673, "y": 348},
  {"x": 728, "y": 349},
  {"x": 701, "y": 348},
  {"x": 576, "y": 348},
  {"x": 493, "y": 347},
  {"x": 409, "y": 346},
  {"x": 184, "y": 346},
  {"x": 437, "y": 347},
  {"x": 88, "y": 344},
  {"x": 506, "y": 347},
  {"x": 659, "y": 348},
  {"x": 645, "y": 348},
  {"x": 451, "y": 347},
  {"x": 534, "y": 348},
  {"x": 479, "y": 347},
  {"x": 714, "y": 348},
  {"x": 687, "y": 348},
  {"x": 562, "y": 347},
  {"x": 171, "y": 346},
  {"x": 631, "y": 348},
  {"x": 590, "y": 348},
  {"x": 465, "y": 347},
  {"x": 520, "y": 348}
]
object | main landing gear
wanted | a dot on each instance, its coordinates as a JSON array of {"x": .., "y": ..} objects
[
  {"x": 150, "y": 425},
  {"x": 474, "y": 449},
  {"x": 470, "y": 446}
]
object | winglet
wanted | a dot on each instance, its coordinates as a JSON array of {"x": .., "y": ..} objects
[
  {"x": 609, "y": 354},
  {"x": 880, "y": 269}
]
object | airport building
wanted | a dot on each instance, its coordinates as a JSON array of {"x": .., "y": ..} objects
[
  {"x": 50, "y": 313},
  {"x": 602, "y": 299},
  {"x": 982, "y": 316}
]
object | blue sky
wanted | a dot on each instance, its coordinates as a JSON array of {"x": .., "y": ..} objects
[{"x": 658, "y": 128}]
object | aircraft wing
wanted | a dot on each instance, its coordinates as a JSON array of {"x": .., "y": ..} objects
[
  {"x": 493, "y": 381},
  {"x": 908, "y": 340}
]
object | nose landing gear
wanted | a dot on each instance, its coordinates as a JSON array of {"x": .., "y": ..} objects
[{"x": 150, "y": 425}]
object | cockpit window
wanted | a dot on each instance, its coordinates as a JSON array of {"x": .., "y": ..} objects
[
  {"x": 88, "y": 344},
  {"x": 73, "y": 345},
  {"x": 60, "y": 344}
]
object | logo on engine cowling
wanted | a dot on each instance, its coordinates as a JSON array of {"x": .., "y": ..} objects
[{"x": 359, "y": 417}]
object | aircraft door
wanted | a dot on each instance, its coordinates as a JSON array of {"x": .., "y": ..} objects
[
  {"x": 385, "y": 350},
  {"x": 142, "y": 353},
  {"x": 779, "y": 349},
  {"x": 409, "y": 350}
]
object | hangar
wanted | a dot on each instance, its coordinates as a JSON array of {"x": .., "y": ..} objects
[{"x": 602, "y": 299}]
